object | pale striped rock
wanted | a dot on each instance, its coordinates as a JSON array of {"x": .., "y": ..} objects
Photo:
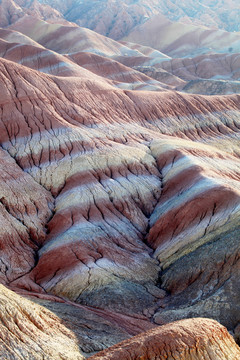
[
  {"x": 124, "y": 201},
  {"x": 29, "y": 331}
]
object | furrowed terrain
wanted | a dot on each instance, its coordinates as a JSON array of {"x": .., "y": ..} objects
[{"x": 119, "y": 197}]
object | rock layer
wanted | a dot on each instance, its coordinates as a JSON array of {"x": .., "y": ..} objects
[
  {"x": 11, "y": 11},
  {"x": 29, "y": 331},
  {"x": 220, "y": 66},
  {"x": 187, "y": 339},
  {"x": 93, "y": 14},
  {"x": 115, "y": 192},
  {"x": 25, "y": 208},
  {"x": 180, "y": 40},
  {"x": 120, "y": 202}
]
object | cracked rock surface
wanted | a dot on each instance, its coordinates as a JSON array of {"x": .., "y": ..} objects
[
  {"x": 119, "y": 208},
  {"x": 208, "y": 340}
]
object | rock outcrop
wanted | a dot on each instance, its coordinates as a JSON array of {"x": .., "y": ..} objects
[
  {"x": 92, "y": 14},
  {"x": 118, "y": 205},
  {"x": 181, "y": 40},
  {"x": 113, "y": 206},
  {"x": 29, "y": 331},
  {"x": 57, "y": 329},
  {"x": 25, "y": 208},
  {"x": 106, "y": 58},
  {"x": 122, "y": 16},
  {"x": 11, "y": 11},
  {"x": 187, "y": 339}
]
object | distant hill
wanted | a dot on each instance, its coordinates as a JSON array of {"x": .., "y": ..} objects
[{"x": 122, "y": 16}]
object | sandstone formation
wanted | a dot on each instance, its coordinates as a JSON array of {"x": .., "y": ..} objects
[
  {"x": 11, "y": 11},
  {"x": 104, "y": 57},
  {"x": 120, "y": 197},
  {"x": 214, "y": 56},
  {"x": 70, "y": 39},
  {"x": 57, "y": 329},
  {"x": 187, "y": 339},
  {"x": 21, "y": 49},
  {"x": 206, "y": 66},
  {"x": 211, "y": 64},
  {"x": 25, "y": 209},
  {"x": 29, "y": 331},
  {"x": 122, "y": 76},
  {"x": 110, "y": 18},
  {"x": 93, "y": 329},
  {"x": 213, "y": 14},
  {"x": 178, "y": 40},
  {"x": 166, "y": 77},
  {"x": 122, "y": 16},
  {"x": 210, "y": 87},
  {"x": 209, "y": 74},
  {"x": 112, "y": 208},
  {"x": 208, "y": 13}
]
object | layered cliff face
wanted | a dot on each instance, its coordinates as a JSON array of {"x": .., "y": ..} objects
[{"x": 120, "y": 196}]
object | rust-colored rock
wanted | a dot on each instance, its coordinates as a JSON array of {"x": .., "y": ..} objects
[
  {"x": 222, "y": 70},
  {"x": 25, "y": 207},
  {"x": 113, "y": 207},
  {"x": 120, "y": 205},
  {"x": 180, "y": 40},
  {"x": 191, "y": 339}
]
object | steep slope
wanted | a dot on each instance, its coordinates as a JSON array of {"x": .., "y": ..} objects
[
  {"x": 21, "y": 49},
  {"x": 25, "y": 209},
  {"x": 161, "y": 71},
  {"x": 11, "y": 11},
  {"x": 28, "y": 53},
  {"x": 29, "y": 331},
  {"x": 180, "y": 40},
  {"x": 92, "y": 14},
  {"x": 123, "y": 76},
  {"x": 119, "y": 206},
  {"x": 113, "y": 176},
  {"x": 69, "y": 39}
]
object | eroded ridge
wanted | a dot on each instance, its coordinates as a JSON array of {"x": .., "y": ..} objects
[
  {"x": 29, "y": 331},
  {"x": 187, "y": 339},
  {"x": 132, "y": 185}
]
